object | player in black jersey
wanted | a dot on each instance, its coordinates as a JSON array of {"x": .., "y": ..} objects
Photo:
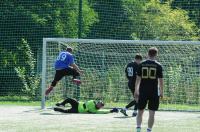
[
  {"x": 131, "y": 72},
  {"x": 149, "y": 77}
]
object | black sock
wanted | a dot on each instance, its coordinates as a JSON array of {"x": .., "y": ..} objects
[
  {"x": 135, "y": 107},
  {"x": 131, "y": 104}
]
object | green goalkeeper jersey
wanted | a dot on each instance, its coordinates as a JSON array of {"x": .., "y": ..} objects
[{"x": 90, "y": 107}]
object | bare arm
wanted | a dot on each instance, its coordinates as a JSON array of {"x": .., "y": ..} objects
[
  {"x": 160, "y": 80},
  {"x": 76, "y": 68},
  {"x": 137, "y": 87}
]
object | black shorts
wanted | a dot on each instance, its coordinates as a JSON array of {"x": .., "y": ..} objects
[
  {"x": 64, "y": 72},
  {"x": 152, "y": 101},
  {"x": 74, "y": 105}
]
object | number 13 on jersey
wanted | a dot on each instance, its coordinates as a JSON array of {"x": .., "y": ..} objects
[{"x": 148, "y": 73}]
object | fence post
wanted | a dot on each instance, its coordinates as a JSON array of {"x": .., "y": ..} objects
[{"x": 80, "y": 15}]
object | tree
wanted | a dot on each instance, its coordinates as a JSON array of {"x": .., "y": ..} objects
[
  {"x": 142, "y": 19},
  {"x": 25, "y": 70},
  {"x": 8, "y": 78},
  {"x": 192, "y": 6},
  {"x": 159, "y": 21},
  {"x": 113, "y": 21},
  {"x": 34, "y": 20}
]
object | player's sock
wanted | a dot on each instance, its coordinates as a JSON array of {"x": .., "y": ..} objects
[
  {"x": 59, "y": 109},
  {"x": 77, "y": 81},
  {"x": 48, "y": 90},
  {"x": 138, "y": 129},
  {"x": 123, "y": 111},
  {"x": 134, "y": 113},
  {"x": 60, "y": 104},
  {"x": 131, "y": 104},
  {"x": 148, "y": 129}
]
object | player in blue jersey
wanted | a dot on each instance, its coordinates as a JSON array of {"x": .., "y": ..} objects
[{"x": 65, "y": 66}]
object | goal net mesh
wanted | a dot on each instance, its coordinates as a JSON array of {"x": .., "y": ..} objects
[{"x": 104, "y": 62}]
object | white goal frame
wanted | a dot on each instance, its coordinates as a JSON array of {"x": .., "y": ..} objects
[{"x": 98, "y": 41}]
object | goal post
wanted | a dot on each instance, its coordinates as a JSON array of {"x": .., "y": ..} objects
[
  {"x": 43, "y": 84},
  {"x": 104, "y": 61}
]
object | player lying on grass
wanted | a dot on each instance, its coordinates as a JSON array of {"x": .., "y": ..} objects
[
  {"x": 91, "y": 106},
  {"x": 65, "y": 66},
  {"x": 131, "y": 72}
]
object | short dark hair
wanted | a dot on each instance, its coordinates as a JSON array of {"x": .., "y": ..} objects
[
  {"x": 69, "y": 49},
  {"x": 138, "y": 57},
  {"x": 101, "y": 102},
  {"x": 153, "y": 51}
]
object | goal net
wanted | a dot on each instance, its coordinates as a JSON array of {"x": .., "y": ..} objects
[{"x": 104, "y": 61}]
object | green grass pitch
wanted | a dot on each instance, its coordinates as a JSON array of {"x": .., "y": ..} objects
[{"x": 33, "y": 119}]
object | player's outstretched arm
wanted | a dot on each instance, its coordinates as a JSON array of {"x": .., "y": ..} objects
[
  {"x": 76, "y": 68},
  {"x": 105, "y": 111}
]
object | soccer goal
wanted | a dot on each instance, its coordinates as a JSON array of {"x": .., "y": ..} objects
[{"x": 104, "y": 61}]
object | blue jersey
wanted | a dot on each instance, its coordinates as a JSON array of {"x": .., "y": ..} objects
[{"x": 63, "y": 61}]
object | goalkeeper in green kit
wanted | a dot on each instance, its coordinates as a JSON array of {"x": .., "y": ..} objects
[{"x": 90, "y": 106}]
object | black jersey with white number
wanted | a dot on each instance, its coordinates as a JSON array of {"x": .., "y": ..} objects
[
  {"x": 131, "y": 71},
  {"x": 149, "y": 71}
]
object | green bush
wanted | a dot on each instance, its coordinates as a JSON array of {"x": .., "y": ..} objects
[{"x": 26, "y": 70}]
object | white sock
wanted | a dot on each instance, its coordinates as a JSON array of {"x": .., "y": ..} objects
[
  {"x": 125, "y": 108},
  {"x": 148, "y": 129}
]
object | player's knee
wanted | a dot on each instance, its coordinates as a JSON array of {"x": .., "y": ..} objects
[
  {"x": 140, "y": 112},
  {"x": 54, "y": 83},
  {"x": 77, "y": 76}
]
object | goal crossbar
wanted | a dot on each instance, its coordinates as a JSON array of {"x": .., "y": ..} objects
[{"x": 111, "y": 41}]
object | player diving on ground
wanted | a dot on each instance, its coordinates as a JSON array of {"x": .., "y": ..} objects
[{"x": 91, "y": 106}]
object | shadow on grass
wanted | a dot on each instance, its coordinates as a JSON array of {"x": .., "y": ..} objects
[
  {"x": 42, "y": 112},
  {"x": 47, "y": 111},
  {"x": 33, "y": 110},
  {"x": 53, "y": 113},
  {"x": 123, "y": 117}
]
